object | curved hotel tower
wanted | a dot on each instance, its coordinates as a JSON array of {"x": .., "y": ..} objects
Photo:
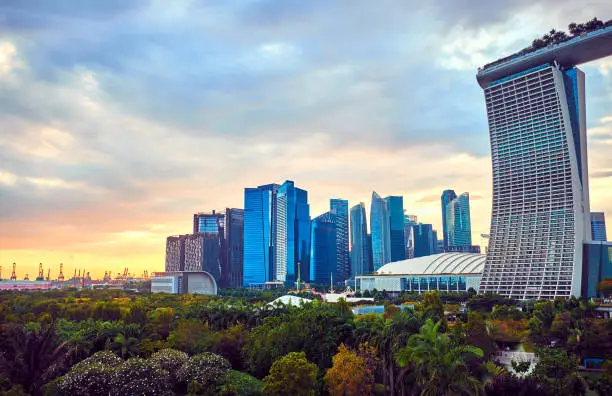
[{"x": 540, "y": 216}]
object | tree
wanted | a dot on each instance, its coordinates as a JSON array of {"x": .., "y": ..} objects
[
  {"x": 439, "y": 365},
  {"x": 293, "y": 375},
  {"x": 205, "y": 370},
  {"x": 190, "y": 336},
  {"x": 477, "y": 334},
  {"x": 557, "y": 373},
  {"x": 351, "y": 374},
  {"x": 138, "y": 376},
  {"x": 170, "y": 360},
  {"x": 432, "y": 306}
]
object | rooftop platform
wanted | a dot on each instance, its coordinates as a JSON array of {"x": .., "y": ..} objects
[{"x": 582, "y": 49}]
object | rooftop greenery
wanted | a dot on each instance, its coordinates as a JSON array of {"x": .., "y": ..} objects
[{"x": 555, "y": 37}]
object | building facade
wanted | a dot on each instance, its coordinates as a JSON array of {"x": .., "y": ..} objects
[
  {"x": 379, "y": 227},
  {"x": 276, "y": 234},
  {"x": 447, "y": 197},
  {"x": 208, "y": 222},
  {"x": 409, "y": 222},
  {"x": 458, "y": 222},
  {"x": 233, "y": 248},
  {"x": 361, "y": 253},
  {"x": 259, "y": 234},
  {"x": 395, "y": 207},
  {"x": 339, "y": 207},
  {"x": 598, "y": 226},
  {"x": 323, "y": 255},
  {"x": 596, "y": 267},
  {"x": 425, "y": 243},
  {"x": 540, "y": 216}
]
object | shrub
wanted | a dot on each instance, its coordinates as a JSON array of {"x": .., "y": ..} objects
[
  {"x": 170, "y": 360},
  {"x": 88, "y": 377},
  {"x": 139, "y": 377}
]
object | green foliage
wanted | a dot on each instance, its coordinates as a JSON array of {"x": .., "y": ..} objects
[
  {"x": 139, "y": 377},
  {"x": 241, "y": 384},
  {"x": 557, "y": 373},
  {"x": 292, "y": 374},
  {"x": 170, "y": 360},
  {"x": 440, "y": 367},
  {"x": 205, "y": 369}
]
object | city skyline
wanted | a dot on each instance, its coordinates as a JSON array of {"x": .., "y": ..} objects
[{"x": 125, "y": 154}]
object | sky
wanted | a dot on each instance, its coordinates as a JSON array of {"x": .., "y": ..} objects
[{"x": 120, "y": 119}]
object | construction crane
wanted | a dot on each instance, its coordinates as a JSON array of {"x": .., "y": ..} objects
[
  {"x": 13, "y": 274},
  {"x": 26, "y": 278},
  {"x": 48, "y": 274},
  {"x": 41, "y": 275},
  {"x": 60, "y": 277},
  {"x": 0, "y": 272}
]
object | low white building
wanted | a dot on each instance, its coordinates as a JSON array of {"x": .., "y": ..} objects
[
  {"x": 450, "y": 272},
  {"x": 183, "y": 282}
]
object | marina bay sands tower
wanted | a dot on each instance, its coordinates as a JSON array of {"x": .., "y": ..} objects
[{"x": 540, "y": 216}]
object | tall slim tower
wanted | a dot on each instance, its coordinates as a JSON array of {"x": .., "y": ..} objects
[
  {"x": 395, "y": 207},
  {"x": 446, "y": 198},
  {"x": 379, "y": 227},
  {"x": 339, "y": 207},
  {"x": 361, "y": 254},
  {"x": 598, "y": 226},
  {"x": 540, "y": 216}
]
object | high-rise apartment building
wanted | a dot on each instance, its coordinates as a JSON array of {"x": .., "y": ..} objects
[
  {"x": 195, "y": 252},
  {"x": 395, "y": 207},
  {"x": 379, "y": 227},
  {"x": 409, "y": 221},
  {"x": 537, "y": 123},
  {"x": 276, "y": 233},
  {"x": 339, "y": 207},
  {"x": 425, "y": 242},
  {"x": 323, "y": 253},
  {"x": 598, "y": 226},
  {"x": 361, "y": 253},
  {"x": 447, "y": 197}
]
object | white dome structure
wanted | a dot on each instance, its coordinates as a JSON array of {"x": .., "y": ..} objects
[{"x": 444, "y": 272}]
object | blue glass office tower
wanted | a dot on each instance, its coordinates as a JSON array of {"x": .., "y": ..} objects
[
  {"x": 259, "y": 234},
  {"x": 339, "y": 207},
  {"x": 293, "y": 232},
  {"x": 537, "y": 124},
  {"x": 409, "y": 222},
  {"x": 276, "y": 233},
  {"x": 208, "y": 222},
  {"x": 379, "y": 226},
  {"x": 361, "y": 253},
  {"x": 598, "y": 226},
  {"x": 323, "y": 253},
  {"x": 424, "y": 242},
  {"x": 446, "y": 198},
  {"x": 395, "y": 207},
  {"x": 458, "y": 221}
]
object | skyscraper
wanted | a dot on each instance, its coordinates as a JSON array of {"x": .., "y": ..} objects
[
  {"x": 458, "y": 222},
  {"x": 259, "y": 234},
  {"x": 379, "y": 227},
  {"x": 233, "y": 247},
  {"x": 446, "y": 198},
  {"x": 208, "y": 222},
  {"x": 276, "y": 233},
  {"x": 361, "y": 254},
  {"x": 395, "y": 207},
  {"x": 323, "y": 254},
  {"x": 339, "y": 207},
  {"x": 409, "y": 221},
  {"x": 424, "y": 242},
  {"x": 537, "y": 123},
  {"x": 195, "y": 252},
  {"x": 598, "y": 226}
]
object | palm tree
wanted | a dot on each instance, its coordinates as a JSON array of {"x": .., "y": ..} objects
[
  {"x": 439, "y": 365},
  {"x": 123, "y": 346}
]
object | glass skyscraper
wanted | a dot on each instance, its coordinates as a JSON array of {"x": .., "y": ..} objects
[
  {"x": 208, "y": 222},
  {"x": 361, "y": 254},
  {"x": 379, "y": 226},
  {"x": 276, "y": 233},
  {"x": 537, "y": 123},
  {"x": 409, "y": 222},
  {"x": 339, "y": 207},
  {"x": 425, "y": 243},
  {"x": 598, "y": 226},
  {"x": 323, "y": 254},
  {"x": 458, "y": 222},
  {"x": 395, "y": 207},
  {"x": 446, "y": 198},
  {"x": 259, "y": 234},
  {"x": 233, "y": 247}
]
